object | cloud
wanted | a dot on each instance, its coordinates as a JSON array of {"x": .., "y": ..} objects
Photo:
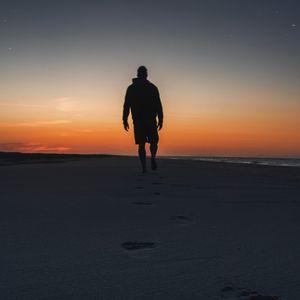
[
  {"x": 22, "y": 105},
  {"x": 32, "y": 147},
  {"x": 45, "y": 123},
  {"x": 36, "y": 123},
  {"x": 74, "y": 106},
  {"x": 65, "y": 104},
  {"x": 10, "y": 146}
]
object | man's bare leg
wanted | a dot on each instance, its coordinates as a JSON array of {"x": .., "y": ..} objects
[
  {"x": 153, "y": 150},
  {"x": 142, "y": 156}
]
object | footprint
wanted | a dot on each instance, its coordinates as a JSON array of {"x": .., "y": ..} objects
[
  {"x": 260, "y": 297},
  {"x": 179, "y": 185},
  {"x": 247, "y": 293},
  {"x": 142, "y": 203},
  {"x": 137, "y": 245},
  {"x": 227, "y": 289},
  {"x": 229, "y": 292},
  {"x": 182, "y": 220},
  {"x": 156, "y": 183}
]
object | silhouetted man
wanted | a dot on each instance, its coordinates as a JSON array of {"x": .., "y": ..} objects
[{"x": 142, "y": 99}]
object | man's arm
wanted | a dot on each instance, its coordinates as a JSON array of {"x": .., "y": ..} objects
[
  {"x": 160, "y": 114},
  {"x": 126, "y": 109}
]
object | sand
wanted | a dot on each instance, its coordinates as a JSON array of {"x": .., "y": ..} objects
[{"x": 98, "y": 229}]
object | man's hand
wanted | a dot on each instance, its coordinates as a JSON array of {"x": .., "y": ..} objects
[
  {"x": 126, "y": 125},
  {"x": 160, "y": 125}
]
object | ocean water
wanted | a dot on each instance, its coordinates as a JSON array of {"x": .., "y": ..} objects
[{"x": 270, "y": 161}]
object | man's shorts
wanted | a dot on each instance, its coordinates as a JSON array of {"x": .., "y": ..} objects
[{"x": 145, "y": 131}]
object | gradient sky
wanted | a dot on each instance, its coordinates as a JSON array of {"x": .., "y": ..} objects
[{"x": 228, "y": 74}]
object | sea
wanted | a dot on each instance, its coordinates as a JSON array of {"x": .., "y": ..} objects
[{"x": 268, "y": 161}]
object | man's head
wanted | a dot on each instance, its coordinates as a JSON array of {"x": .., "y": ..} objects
[{"x": 142, "y": 72}]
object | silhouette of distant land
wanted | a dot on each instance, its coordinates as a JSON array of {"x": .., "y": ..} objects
[{"x": 12, "y": 158}]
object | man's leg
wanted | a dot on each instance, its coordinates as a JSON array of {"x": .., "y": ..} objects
[
  {"x": 153, "y": 150},
  {"x": 142, "y": 156}
]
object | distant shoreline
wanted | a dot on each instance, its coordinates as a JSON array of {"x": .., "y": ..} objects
[
  {"x": 12, "y": 158},
  {"x": 266, "y": 161}
]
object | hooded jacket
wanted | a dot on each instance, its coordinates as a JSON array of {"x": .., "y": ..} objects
[{"x": 143, "y": 100}]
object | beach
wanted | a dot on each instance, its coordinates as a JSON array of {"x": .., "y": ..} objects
[{"x": 97, "y": 228}]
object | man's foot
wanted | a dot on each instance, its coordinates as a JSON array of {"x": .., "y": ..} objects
[{"x": 153, "y": 164}]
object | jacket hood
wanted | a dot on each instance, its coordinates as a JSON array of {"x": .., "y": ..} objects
[{"x": 139, "y": 80}]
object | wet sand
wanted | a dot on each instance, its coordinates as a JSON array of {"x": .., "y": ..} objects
[{"x": 97, "y": 228}]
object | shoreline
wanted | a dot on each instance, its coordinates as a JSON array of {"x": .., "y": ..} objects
[{"x": 12, "y": 158}]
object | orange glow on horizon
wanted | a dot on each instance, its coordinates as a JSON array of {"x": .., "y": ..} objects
[
  {"x": 178, "y": 137},
  {"x": 223, "y": 122}
]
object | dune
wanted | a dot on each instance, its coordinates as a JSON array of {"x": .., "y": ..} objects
[{"x": 96, "y": 228}]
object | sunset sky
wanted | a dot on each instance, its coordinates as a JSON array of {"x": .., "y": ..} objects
[{"x": 228, "y": 74}]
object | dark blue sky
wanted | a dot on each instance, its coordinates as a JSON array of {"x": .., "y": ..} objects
[{"x": 263, "y": 32}]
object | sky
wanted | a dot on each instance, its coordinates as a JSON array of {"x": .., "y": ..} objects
[{"x": 228, "y": 74}]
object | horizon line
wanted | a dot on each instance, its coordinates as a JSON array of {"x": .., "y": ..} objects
[{"x": 161, "y": 156}]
